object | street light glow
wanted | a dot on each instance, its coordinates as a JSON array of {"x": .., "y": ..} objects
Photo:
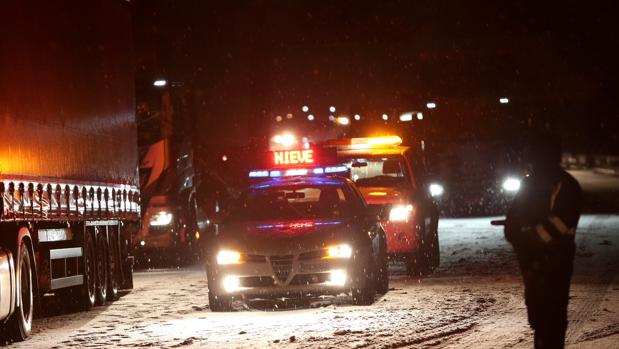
[
  {"x": 504, "y": 100},
  {"x": 310, "y": 117},
  {"x": 431, "y": 105},
  {"x": 342, "y": 120},
  {"x": 405, "y": 117},
  {"x": 357, "y": 117},
  {"x": 385, "y": 117},
  {"x": 332, "y": 109},
  {"x": 419, "y": 116},
  {"x": 305, "y": 108},
  {"x": 160, "y": 83}
]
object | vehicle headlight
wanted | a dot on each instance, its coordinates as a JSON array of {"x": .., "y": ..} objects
[
  {"x": 436, "y": 190},
  {"x": 339, "y": 251},
  {"x": 337, "y": 278},
  {"x": 161, "y": 218},
  {"x": 400, "y": 213},
  {"x": 231, "y": 283},
  {"x": 511, "y": 184},
  {"x": 228, "y": 257}
]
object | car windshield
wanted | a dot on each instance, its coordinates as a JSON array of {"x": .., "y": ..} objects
[
  {"x": 378, "y": 171},
  {"x": 293, "y": 202}
]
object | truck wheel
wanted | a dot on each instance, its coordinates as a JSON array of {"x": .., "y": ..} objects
[
  {"x": 434, "y": 252},
  {"x": 382, "y": 281},
  {"x": 113, "y": 267},
  {"x": 364, "y": 285},
  {"x": 416, "y": 264},
  {"x": 88, "y": 297},
  {"x": 219, "y": 303},
  {"x": 101, "y": 269},
  {"x": 20, "y": 323}
]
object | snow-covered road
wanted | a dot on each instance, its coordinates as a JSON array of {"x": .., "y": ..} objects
[{"x": 473, "y": 301}]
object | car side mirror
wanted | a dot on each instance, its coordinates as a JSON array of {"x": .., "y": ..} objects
[{"x": 375, "y": 212}]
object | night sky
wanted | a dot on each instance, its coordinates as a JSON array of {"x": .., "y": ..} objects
[{"x": 249, "y": 61}]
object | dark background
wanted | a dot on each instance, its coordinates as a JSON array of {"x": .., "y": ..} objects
[{"x": 245, "y": 62}]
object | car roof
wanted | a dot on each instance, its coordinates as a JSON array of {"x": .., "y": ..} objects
[{"x": 302, "y": 180}]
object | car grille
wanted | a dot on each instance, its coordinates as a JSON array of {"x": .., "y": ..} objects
[{"x": 282, "y": 266}]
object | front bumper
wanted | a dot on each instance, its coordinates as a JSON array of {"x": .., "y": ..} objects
[{"x": 289, "y": 275}]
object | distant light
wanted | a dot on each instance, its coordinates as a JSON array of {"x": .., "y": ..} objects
[
  {"x": 160, "y": 83},
  {"x": 332, "y": 109},
  {"x": 331, "y": 118},
  {"x": 431, "y": 105},
  {"x": 385, "y": 117},
  {"x": 357, "y": 117},
  {"x": 511, "y": 184},
  {"x": 224, "y": 157},
  {"x": 419, "y": 116},
  {"x": 278, "y": 118},
  {"x": 436, "y": 190},
  {"x": 289, "y": 116},
  {"x": 504, "y": 100},
  {"x": 285, "y": 139},
  {"x": 305, "y": 108},
  {"x": 342, "y": 120},
  {"x": 404, "y": 117},
  {"x": 310, "y": 117},
  {"x": 142, "y": 243}
]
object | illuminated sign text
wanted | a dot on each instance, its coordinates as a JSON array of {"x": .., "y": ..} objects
[{"x": 294, "y": 157}]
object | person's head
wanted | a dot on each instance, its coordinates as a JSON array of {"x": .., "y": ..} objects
[{"x": 543, "y": 151}]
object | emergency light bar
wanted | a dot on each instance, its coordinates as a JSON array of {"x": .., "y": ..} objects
[
  {"x": 367, "y": 142},
  {"x": 297, "y": 172}
]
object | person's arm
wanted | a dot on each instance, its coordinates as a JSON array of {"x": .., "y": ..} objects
[{"x": 562, "y": 221}]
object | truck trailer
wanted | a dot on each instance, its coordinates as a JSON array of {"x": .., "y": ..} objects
[{"x": 68, "y": 156}]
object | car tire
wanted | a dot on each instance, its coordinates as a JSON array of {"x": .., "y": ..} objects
[
  {"x": 20, "y": 324},
  {"x": 364, "y": 284},
  {"x": 219, "y": 303}
]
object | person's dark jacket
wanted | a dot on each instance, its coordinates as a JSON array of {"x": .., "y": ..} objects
[{"x": 542, "y": 219}]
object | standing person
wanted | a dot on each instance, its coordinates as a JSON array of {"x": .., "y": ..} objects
[{"x": 540, "y": 225}]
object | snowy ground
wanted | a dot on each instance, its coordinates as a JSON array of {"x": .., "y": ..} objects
[{"x": 473, "y": 301}]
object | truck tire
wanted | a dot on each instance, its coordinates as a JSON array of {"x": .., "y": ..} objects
[
  {"x": 219, "y": 303},
  {"x": 434, "y": 252},
  {"x": 113, "y": 267},
  {"x": 88, "y": 296},
  {"x": 382, "y": 282},
  {"x": 364, "y": 284},
  {"x": 20, "y": 323},
  {"x": 101, "y": 269}
]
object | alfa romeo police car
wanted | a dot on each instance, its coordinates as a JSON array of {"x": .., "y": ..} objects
[{"x": 296, "y": 235}]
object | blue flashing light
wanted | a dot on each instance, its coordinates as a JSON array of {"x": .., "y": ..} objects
[
  {"x": 336, "y": 169},
  {"x": 296, "y": 172},
  {"x": 258, "y": 174},
  {"x": 275, "y": 174},
  {"x": 319, "y": 170}
]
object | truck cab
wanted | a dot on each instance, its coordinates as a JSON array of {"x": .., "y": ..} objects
[{"x": 393, "y": 177}]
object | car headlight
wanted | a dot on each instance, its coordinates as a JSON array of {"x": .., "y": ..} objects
[
  {"x": 400, "y": 213},
  {"x": 161, "y": 218},
  {"x": 339, "y": 251},
  {"x": 511, "y": 184},
  {"x": 228, "y": 257},
  {"x": 436, "y": 190}
]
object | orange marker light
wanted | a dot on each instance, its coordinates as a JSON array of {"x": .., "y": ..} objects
[{"x": 377, "y": 193}]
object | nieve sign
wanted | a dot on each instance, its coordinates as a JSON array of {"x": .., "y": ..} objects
[{"x": 293, "y": 157}]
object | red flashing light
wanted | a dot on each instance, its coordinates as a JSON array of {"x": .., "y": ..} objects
[{"x": 293, "y": 157}]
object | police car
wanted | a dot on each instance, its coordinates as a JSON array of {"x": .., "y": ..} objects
[{"x": 295, "y": 232}]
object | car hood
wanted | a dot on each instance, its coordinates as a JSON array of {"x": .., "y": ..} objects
[
  {"x": 385, "y": 195},
  {"x": 285, "y": 237}
]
